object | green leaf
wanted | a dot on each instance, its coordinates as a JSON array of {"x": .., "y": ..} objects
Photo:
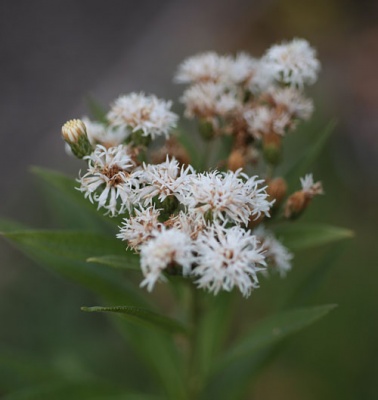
[
  {"x": 125, "y": 262},
  {"x": 301, "y": 167},
  {"x": 143, "y": 316},
  {"x": 302, "y": 236},
  {"x": 69, "y": 206},
  {"x": 232, "y": 372},
  {"x": 66, "y": 252},
  {"x": 309, "y": 285}
]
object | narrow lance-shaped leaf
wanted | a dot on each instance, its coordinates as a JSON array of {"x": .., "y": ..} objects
[
  {"x": 69, "y": 205},
  {"x": 233, "y": 372},
  {"x": 129, "y": 262},
  {"x": 274, "y": 329},
  {"x": 303, "y": 236},
  {"x": 66, "y": 252},
  {"x": 144, "y": 317}
]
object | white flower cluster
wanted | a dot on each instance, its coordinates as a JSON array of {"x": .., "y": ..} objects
[
  {"x": 265, "y": 94},
  {"x": 181, "y": 221}
]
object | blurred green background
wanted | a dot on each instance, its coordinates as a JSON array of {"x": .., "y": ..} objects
[{"x": 56, "y": 53}]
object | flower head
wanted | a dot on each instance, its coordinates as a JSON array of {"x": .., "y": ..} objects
[
  {"x": 208, "y": 100},
  {"x": 204, "y": 67},
  {"x": 98, "y": 133},
  {"x": 109, "y": 178},
  {"x": 74, "y": 133},
  {"x": 228, "y": 258},
  {"x": 147, "y": 114},
  {"x": 276, "y": 254},
  {"x": 293, "y": 63},
  {"x": 309, "y": 187},
  {"x": 228, "y": 196},
  {"x": 139, "y": 228},
  {"x": 167, "y": 248}
]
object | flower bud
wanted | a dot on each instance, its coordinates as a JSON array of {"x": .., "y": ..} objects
[
  {"x": 276, "y": 190},
  {"x": 296, "y": 204},
  {"x": 206, "y": 129},
  {"x": 236, "y": 160},
  {"x": 74, "y": 133},
  {"x": 272, "y": 148}
]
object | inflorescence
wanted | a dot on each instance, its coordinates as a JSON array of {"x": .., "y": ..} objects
[{"x": 205, "y": 225}]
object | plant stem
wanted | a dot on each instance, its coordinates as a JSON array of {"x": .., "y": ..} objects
[{"x": 194, "y": 380}]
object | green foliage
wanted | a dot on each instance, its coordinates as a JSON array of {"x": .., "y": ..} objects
[
  {"x": 144, "y": 317},
  {"x": 125, "y": 262},
  {"x": 303, "y": 236},
  {"x": 234, "y": 370}
]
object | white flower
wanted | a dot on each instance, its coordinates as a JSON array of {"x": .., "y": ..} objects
[
  {"x": 208, "y": 100},
  {"x": 167, "y": 249},
  {"x": 148, "y": 114},
  {"x": 190, "y": 223},
  {"x": 138, "y": 229},
  {"x": 259, "y": 120},
  {"x": 276, "y": 254},
  {"x": 228, "y": 258},
  {"x": 204, "y": 67},
  {"x": 293, "y": 63},
  {"x": 262, "y": 119},
  {"x": 107, "y": 136},
  {"x": 108, "y": 178},
  {"x": 309, "y": 187},
  {"x": 226, "y": 196},
  {"x": 163, "y": 180},
  {"x": 243, "y": 69},
  {"x": 293, "y": 102}
]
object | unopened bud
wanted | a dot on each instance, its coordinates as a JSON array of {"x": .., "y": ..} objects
[
  {"x": 296, "y": 204},
  {"x": 236, "y": 160},
  {"x": 74, "y": 133},
  {"x": 272, "y": 148},
  {"x": 206, "y": 129},
  {"x": 277, "y": 189},
  {"x": 254, "y": 222}
]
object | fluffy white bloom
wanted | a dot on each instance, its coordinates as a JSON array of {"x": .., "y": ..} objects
[
  {"x": 148, "y": 114},
  {"x": 163, "y": 180},
  {"x": 243, "y": 68},
  {"x": 228, "y": 258},
  {"x": 262, "y": 119},
  {"x": 276, "y": 254},
  {"x": 108, "y": 178},
  {"x": 167, "y": 249},
  {"x": 310, "y": 187},
  {"x": 293, "y": 63},
  {"x": 227, "y": 196},
  {"x": 107, "y": 136},
  {"x": 208, "y": 100},
  {"x": 259, "y": 120},
  {"x": 293, "y": 102},
  {"x": 139, "y": 228},
  {"x": 204, "y": 67}
]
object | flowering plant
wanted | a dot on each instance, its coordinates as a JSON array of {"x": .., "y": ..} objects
[{"x": 210, "y": 214}]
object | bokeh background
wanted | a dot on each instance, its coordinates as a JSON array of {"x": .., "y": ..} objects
[{"x": 54, "y": 54}]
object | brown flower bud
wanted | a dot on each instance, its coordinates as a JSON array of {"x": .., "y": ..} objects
[
  {"x": 296, "y": 204},
  {"x": 236, "y": 160},
  {"x": 277, "y": 189}
]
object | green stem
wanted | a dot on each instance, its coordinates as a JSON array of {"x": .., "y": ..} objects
[{"x": 194, "y": 380}]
